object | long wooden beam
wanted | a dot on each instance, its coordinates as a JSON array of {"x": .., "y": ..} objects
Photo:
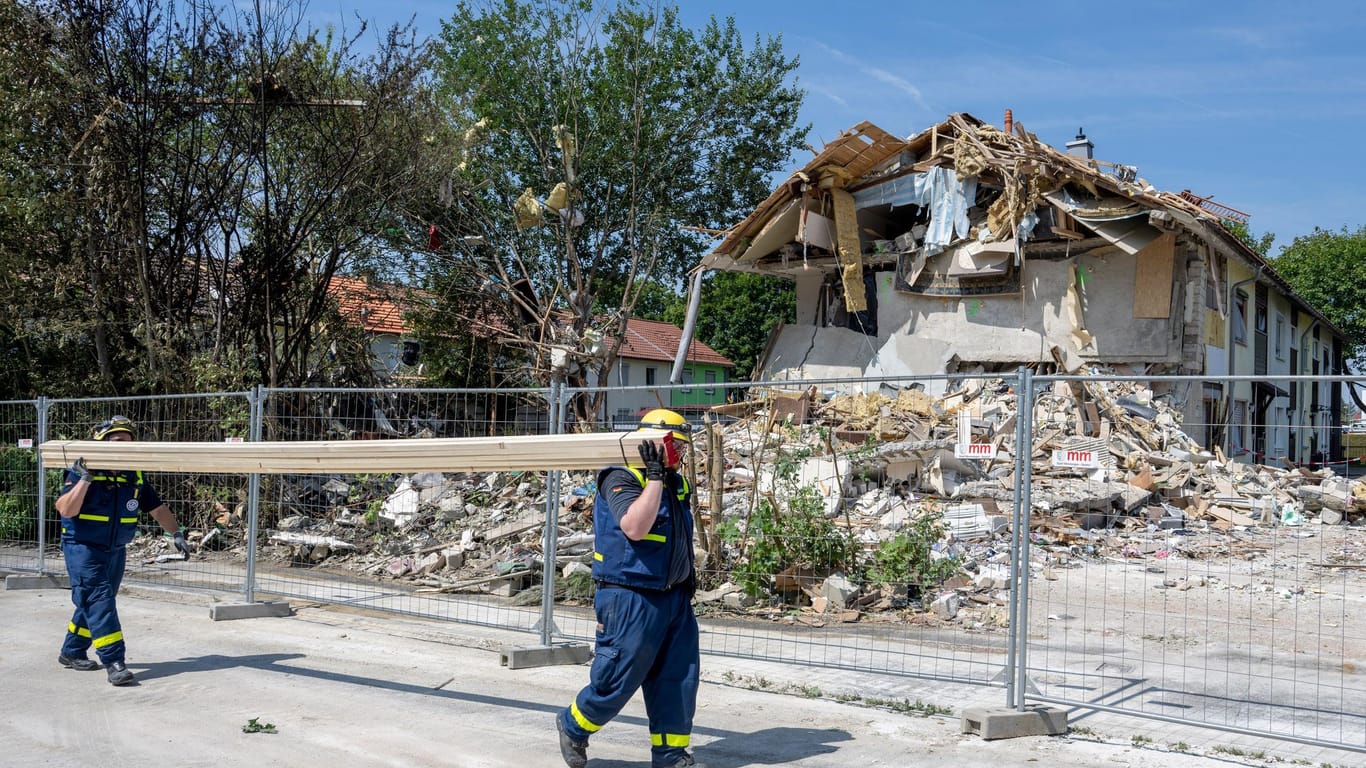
[{"x": 451, "y": 454}]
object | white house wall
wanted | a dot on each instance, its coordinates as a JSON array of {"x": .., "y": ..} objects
[
  {"x": 921, "y": 334},
  {"x": 623, "y": 407}
]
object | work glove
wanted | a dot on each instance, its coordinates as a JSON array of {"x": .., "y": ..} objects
[
  {"x": 82, "y": 471},
  {"x": 654, "y": 460},
  {"x": 179, "y": 541}
]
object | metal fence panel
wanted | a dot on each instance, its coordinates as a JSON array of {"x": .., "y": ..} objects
[
  {"x": 1228, "y": 598},
  {"x": 807, "y": 495},
  {"x": 210, "y": 505},
  {"x": 418, "y": 528},
  {"x": 19, "y": 492},
  {"x": 1190, "y": 599}
]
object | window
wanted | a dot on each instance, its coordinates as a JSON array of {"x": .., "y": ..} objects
[
  {"x": 1236, "y": 425},
  {"x": 710, "y": 378},
  {"x": 624, "y": 375},
  {"x": 687, "y": 379},
  {"x": 1240, "y": 318},
  {"x": 650, "y": 376},
  {"x": 1211, "y": 397},
  {"x": 1261, "y": 318},
  {"x": 1279, "y": 343}
]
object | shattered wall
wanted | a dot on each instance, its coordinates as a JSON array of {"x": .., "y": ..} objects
[{"x": 922, "y": 334}]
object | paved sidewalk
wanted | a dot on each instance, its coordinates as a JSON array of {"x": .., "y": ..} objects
[{"x": 349, "y": 690}]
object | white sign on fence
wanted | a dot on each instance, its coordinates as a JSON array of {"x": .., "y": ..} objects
[
  {"x": 25, "y": 442},
  {"x": 1076, "y": 457}
]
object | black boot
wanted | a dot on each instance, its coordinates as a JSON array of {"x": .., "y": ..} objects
[
  {"x": 119, "y": 674},
  {"x": 683, "y": 761},
  {"x": 77, "y": 663},
  {"x": 575, "y": 753}
]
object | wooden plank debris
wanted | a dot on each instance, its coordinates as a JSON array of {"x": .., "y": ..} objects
[{"x": 462, "y": 454}]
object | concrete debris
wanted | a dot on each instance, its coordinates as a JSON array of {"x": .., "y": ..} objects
[{"x": 1113, "y": 476}]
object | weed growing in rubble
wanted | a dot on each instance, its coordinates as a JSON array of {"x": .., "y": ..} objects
[
  {"x": 1179, "y": 746},
  {"x": 908, "y": 707},
  {"x": 861, "y": 458},
  {"x": 1139, "y": 740},
  {"x": 902, "y": 706},
  {"x": 1239, "y": 752},
  {"x": 909, "y": 558},
  {"x": 800, "y": 535},
  {"x": 1081, "y": 730}
]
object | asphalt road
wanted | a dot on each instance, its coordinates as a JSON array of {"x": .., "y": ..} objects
[{"x": 348, "y": 689}]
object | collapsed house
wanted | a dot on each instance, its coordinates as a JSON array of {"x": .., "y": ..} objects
[{"x": 970, "y": 249}]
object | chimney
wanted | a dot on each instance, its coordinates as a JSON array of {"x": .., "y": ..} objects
[
  {"x": 1081, "y": 146},
  {"x": 1010, "y": 122}
]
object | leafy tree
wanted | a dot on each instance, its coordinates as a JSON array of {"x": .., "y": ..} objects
[
  {"x": 648, "y": 125},
  {"x": 1261, "y": 244},
  {"x": 654, "y": 301},
  {"x": 738, "y": 312},
  {"x": 1325, "y": 267},
  {"x": 179, "y": 194}
]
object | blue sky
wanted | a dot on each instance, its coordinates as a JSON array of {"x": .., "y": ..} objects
[{"x": 1260, "y": 104}]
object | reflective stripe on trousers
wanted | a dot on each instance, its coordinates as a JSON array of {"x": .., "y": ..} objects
[
  {"x": 648, "y": 641},
  {"x": 95, "y": 576}
]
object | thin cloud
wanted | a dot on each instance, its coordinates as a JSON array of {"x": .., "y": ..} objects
[
  {"x": 894, "y": 81},
  {"x": 1247, "y": 36},
  {"x": 827, "y": 93},
  {"x": 879, "y": 74}
]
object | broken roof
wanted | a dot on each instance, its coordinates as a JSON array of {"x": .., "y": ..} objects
[{"x": 866, "y": 156}]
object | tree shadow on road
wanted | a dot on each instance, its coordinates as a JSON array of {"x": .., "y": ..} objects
[{"x": 158, "y": 669}]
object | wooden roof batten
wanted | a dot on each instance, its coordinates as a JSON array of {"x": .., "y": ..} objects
[{"x": 452, "y": 454}]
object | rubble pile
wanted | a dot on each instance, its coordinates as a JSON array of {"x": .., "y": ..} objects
[{"x": 876, "y": 463}]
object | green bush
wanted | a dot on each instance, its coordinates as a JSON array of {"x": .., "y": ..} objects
[
  {"x": 17, "y": 517},
  {"x": 18, "y": 494},
  {"x": 907, "y": 559},
  {"x": 800, "y": 536}
]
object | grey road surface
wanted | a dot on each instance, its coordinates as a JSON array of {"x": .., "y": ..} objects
[{"x": 348, "y": 689}]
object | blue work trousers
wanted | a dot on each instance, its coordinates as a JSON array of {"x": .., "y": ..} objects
[
  {"x": 95, "y": 577},
  {"x": 646, "y": 640}
]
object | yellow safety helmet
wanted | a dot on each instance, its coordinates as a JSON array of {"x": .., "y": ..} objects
[
  {"x": 663, "y": 418},
  {"x": 115, "y": 424}
]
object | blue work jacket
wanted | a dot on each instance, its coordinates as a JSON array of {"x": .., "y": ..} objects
[
  {"x": 645, "y": 563},
  {"x": 109, "y": 515}
]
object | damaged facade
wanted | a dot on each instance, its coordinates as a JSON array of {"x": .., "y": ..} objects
[{"x": 970, "y": 249}]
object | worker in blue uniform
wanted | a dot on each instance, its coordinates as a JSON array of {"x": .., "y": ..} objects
[
  {"x": 646, "y": 633},
  {"x": 99, "y": 509}
]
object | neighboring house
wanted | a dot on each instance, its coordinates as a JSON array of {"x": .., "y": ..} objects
[
  {"x": 969, "y": 249},
  {"x": 646, "y": 359},
  {"x": 379, "y": 312}
]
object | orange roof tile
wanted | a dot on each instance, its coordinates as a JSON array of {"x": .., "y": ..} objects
[
  {"x": 655, "y": 340},
  {"x": 377, "y": 310}
]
